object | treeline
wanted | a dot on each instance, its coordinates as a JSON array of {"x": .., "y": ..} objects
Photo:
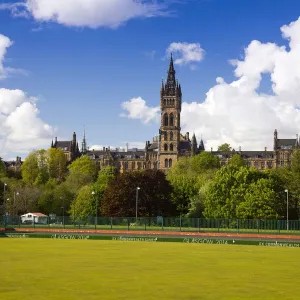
[{"x": 195, "y": 187}]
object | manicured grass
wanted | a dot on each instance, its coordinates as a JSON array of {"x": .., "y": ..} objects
[{"x": 82, "y": 269}]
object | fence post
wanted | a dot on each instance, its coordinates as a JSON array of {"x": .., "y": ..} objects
[
  {"x": 198, "y": 224},
  {"x": 127, "y": 224},
  {"x": 162, "y": 223},
  {"x": 33, "y": 221},
  {"x": 145, "y": 223},
  {"x": 111, "y": 222},
  {"x": 19, "y": 219},
  {"x": 238, "y": 226}
]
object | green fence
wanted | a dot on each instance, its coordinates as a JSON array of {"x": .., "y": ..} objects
[{"x": 156, "y": 224}]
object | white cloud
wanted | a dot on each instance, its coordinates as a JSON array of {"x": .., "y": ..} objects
[
  {"x": 87, "y": 13},
  {"x": 21, "y": 130},
  {"x": 186, "y": 53},
  {"x": 5, "y": 43},
  {"x": 237, "y": 112},
  {"x": 20, "y": 127},
  {"x": 136, "y": 108}
]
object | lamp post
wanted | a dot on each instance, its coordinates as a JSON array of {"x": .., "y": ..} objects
[
  {"x": 136, "y": 203},
  {"x": 63, "y": 208},
  {"x": 287, "y": 209},
  {"x": 5, "y": 216},
  {"x": 15, "y": 194},
  {"x": 4, "y": 186}
]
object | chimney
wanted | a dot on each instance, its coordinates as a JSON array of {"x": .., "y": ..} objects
[
  {"x": 211, "y": 149},
  {"x": 187, "y": 136},
  {"x": 103, "y": 148},
  {"x": 265, "y": 148}
]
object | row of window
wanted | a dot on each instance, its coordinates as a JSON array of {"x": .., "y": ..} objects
[
  {"x": 166, "y": 148},
  {"x": 169, "y": 119},
  {"x": 168, "y": 163},
  {"x": 169, "y": 102},
  {"x": 171, "y": 136}
]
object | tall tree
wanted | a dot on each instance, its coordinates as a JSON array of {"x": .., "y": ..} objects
[
  {"x": 225, "y": 148},
  {"x": 56, "y": 164},
  {"x": 154, "y": 196}
]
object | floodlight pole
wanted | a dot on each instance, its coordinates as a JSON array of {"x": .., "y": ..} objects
[{"x": 136, "y": 203}]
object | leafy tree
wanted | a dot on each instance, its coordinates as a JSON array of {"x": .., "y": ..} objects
[
  {"x": 2, "y": 168},
  {"x": 30, "y": 168},
  {"x": 225, "y": 148},
  {"x": 56, "y": 164},
  {"x": 203, "y": 162},
  {"x": 84, "y": 204},
  {"x": 261, "y": 201},
  {"x": 154, "y": 195},
  {"x": 227, "y": 190},
  {"x": 83, "y": 171},
  {"x": 237, "y": 161}
]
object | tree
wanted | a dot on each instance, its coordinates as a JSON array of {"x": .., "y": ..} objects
[
  {"x": 237, "y": 160},
  {"x": 30, "y": 168},
  {"x": 225, "y": 148},
  {"x": 2, "y": 168},
  {"x": 56, "y": 164},
  {"x": 227, "y": 190},
  {"x": 261, "y": 201},
  {"x": 154, "y": 195},
  {"x": 203, "y": 162},
  {"x": 84, "y": 204},
  {"x": 83, "y": 171}
]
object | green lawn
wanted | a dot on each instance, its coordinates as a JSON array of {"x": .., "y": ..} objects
[{"x": 83, "y": 269}]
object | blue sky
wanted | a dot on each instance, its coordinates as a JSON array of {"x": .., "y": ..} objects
[{"x": 82, "y": 75}]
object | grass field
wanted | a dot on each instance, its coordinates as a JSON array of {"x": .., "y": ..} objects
[{"x": 82, "y": 269}]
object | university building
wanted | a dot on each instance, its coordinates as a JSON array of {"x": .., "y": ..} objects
[{"x": 171, "y": 144}]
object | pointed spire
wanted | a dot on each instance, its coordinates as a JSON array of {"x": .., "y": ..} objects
[
  {"x": 83, "y": 144},
  {"x": 201, "y": 145},
  {"x": 194, "y": 145},
  {"x": 52, "y": 146},
  {"x": 171, "y": 80}
]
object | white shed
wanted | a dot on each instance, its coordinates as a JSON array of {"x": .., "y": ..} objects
[{"x": 37, "y": 218}]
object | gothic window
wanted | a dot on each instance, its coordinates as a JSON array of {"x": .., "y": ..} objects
[
  {"x": 171, "y": 119},
  {"x": 171, "y": 136},
  {"x": 170, "y": 163},
  {"x": 126, "y": 165},
  {"x": 133, "y": 165},
  {"x": 165, "y": 147},
  {"x": 171, "y": 147},
  {"x": 166, "y": 119},
  {"x": 165, "y": 137},
  {"x": 139, "y": 165},
  {"x": 166, "y": 163}
]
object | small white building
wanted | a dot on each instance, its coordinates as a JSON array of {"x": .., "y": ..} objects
[{"x": 37, "y": 218}]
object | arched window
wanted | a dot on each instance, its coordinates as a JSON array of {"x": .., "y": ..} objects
[
  {"x": 166, "y": 163},
  {"x": 171, "y": 147},
  {"x": 165, "y": 137},
  {"x": 170, "y": 163},
  {"x": 133, "y": 165},
  {"x": 165, "y": 147},
  {"x": 166, "y": 120},
  {"x": 171, "y": 119},
  {"x": 126, "y": 165},
  {"x": 171, "y": 136}
]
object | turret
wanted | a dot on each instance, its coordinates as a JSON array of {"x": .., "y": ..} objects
[
  {"x": 275, "y": 139},
  {"x": 194, "y": 145}
]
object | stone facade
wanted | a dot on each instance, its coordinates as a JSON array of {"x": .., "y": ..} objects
[{"x": 170, "y": 144}]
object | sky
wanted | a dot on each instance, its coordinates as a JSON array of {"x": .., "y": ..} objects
[{"x": 98, "y": 64}]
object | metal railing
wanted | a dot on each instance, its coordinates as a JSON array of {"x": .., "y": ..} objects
[{"x": 182, "y": 224}]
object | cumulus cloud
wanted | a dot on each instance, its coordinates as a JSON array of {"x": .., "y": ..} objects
[
  {"x": 238, "y": 112},
  {"x": 20, "y": 127},
  {"x": 186, "y": 53},
  {"x": 136, "y": 108},
  {"x": 5, "y": 43},
  {"x": 21, "y": 130},
  {"x": 87, "y": 13}
]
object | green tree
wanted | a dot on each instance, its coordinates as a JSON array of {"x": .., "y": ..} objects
[
  {"x": 227, "y": 190},
  {"x": 154, "y": 195},
  {"x": 261, "y": 201},
  {"x": 2, "y": 168},
  {"x": 225, "y": 148},
  {"x": 56, "y": 164},
  {"x": 237, "y": 160},
  {"x": 84, "y": 205},
  {"x": 203, "y": 162},
  {"x": 83, "y": 171},
  {"x": 30, "y": 168}
]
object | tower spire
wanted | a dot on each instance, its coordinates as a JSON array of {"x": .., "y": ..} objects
[
  {"x": 171, "y": 80},
  {"x": 83, "y": 145}
]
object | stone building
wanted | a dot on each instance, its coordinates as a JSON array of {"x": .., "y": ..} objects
[{"x": 170, "y": 144}]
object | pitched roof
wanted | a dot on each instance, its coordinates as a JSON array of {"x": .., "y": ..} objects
[
  {"x": 64, "y": 145},
  {"x": 286, "y": 143}
]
